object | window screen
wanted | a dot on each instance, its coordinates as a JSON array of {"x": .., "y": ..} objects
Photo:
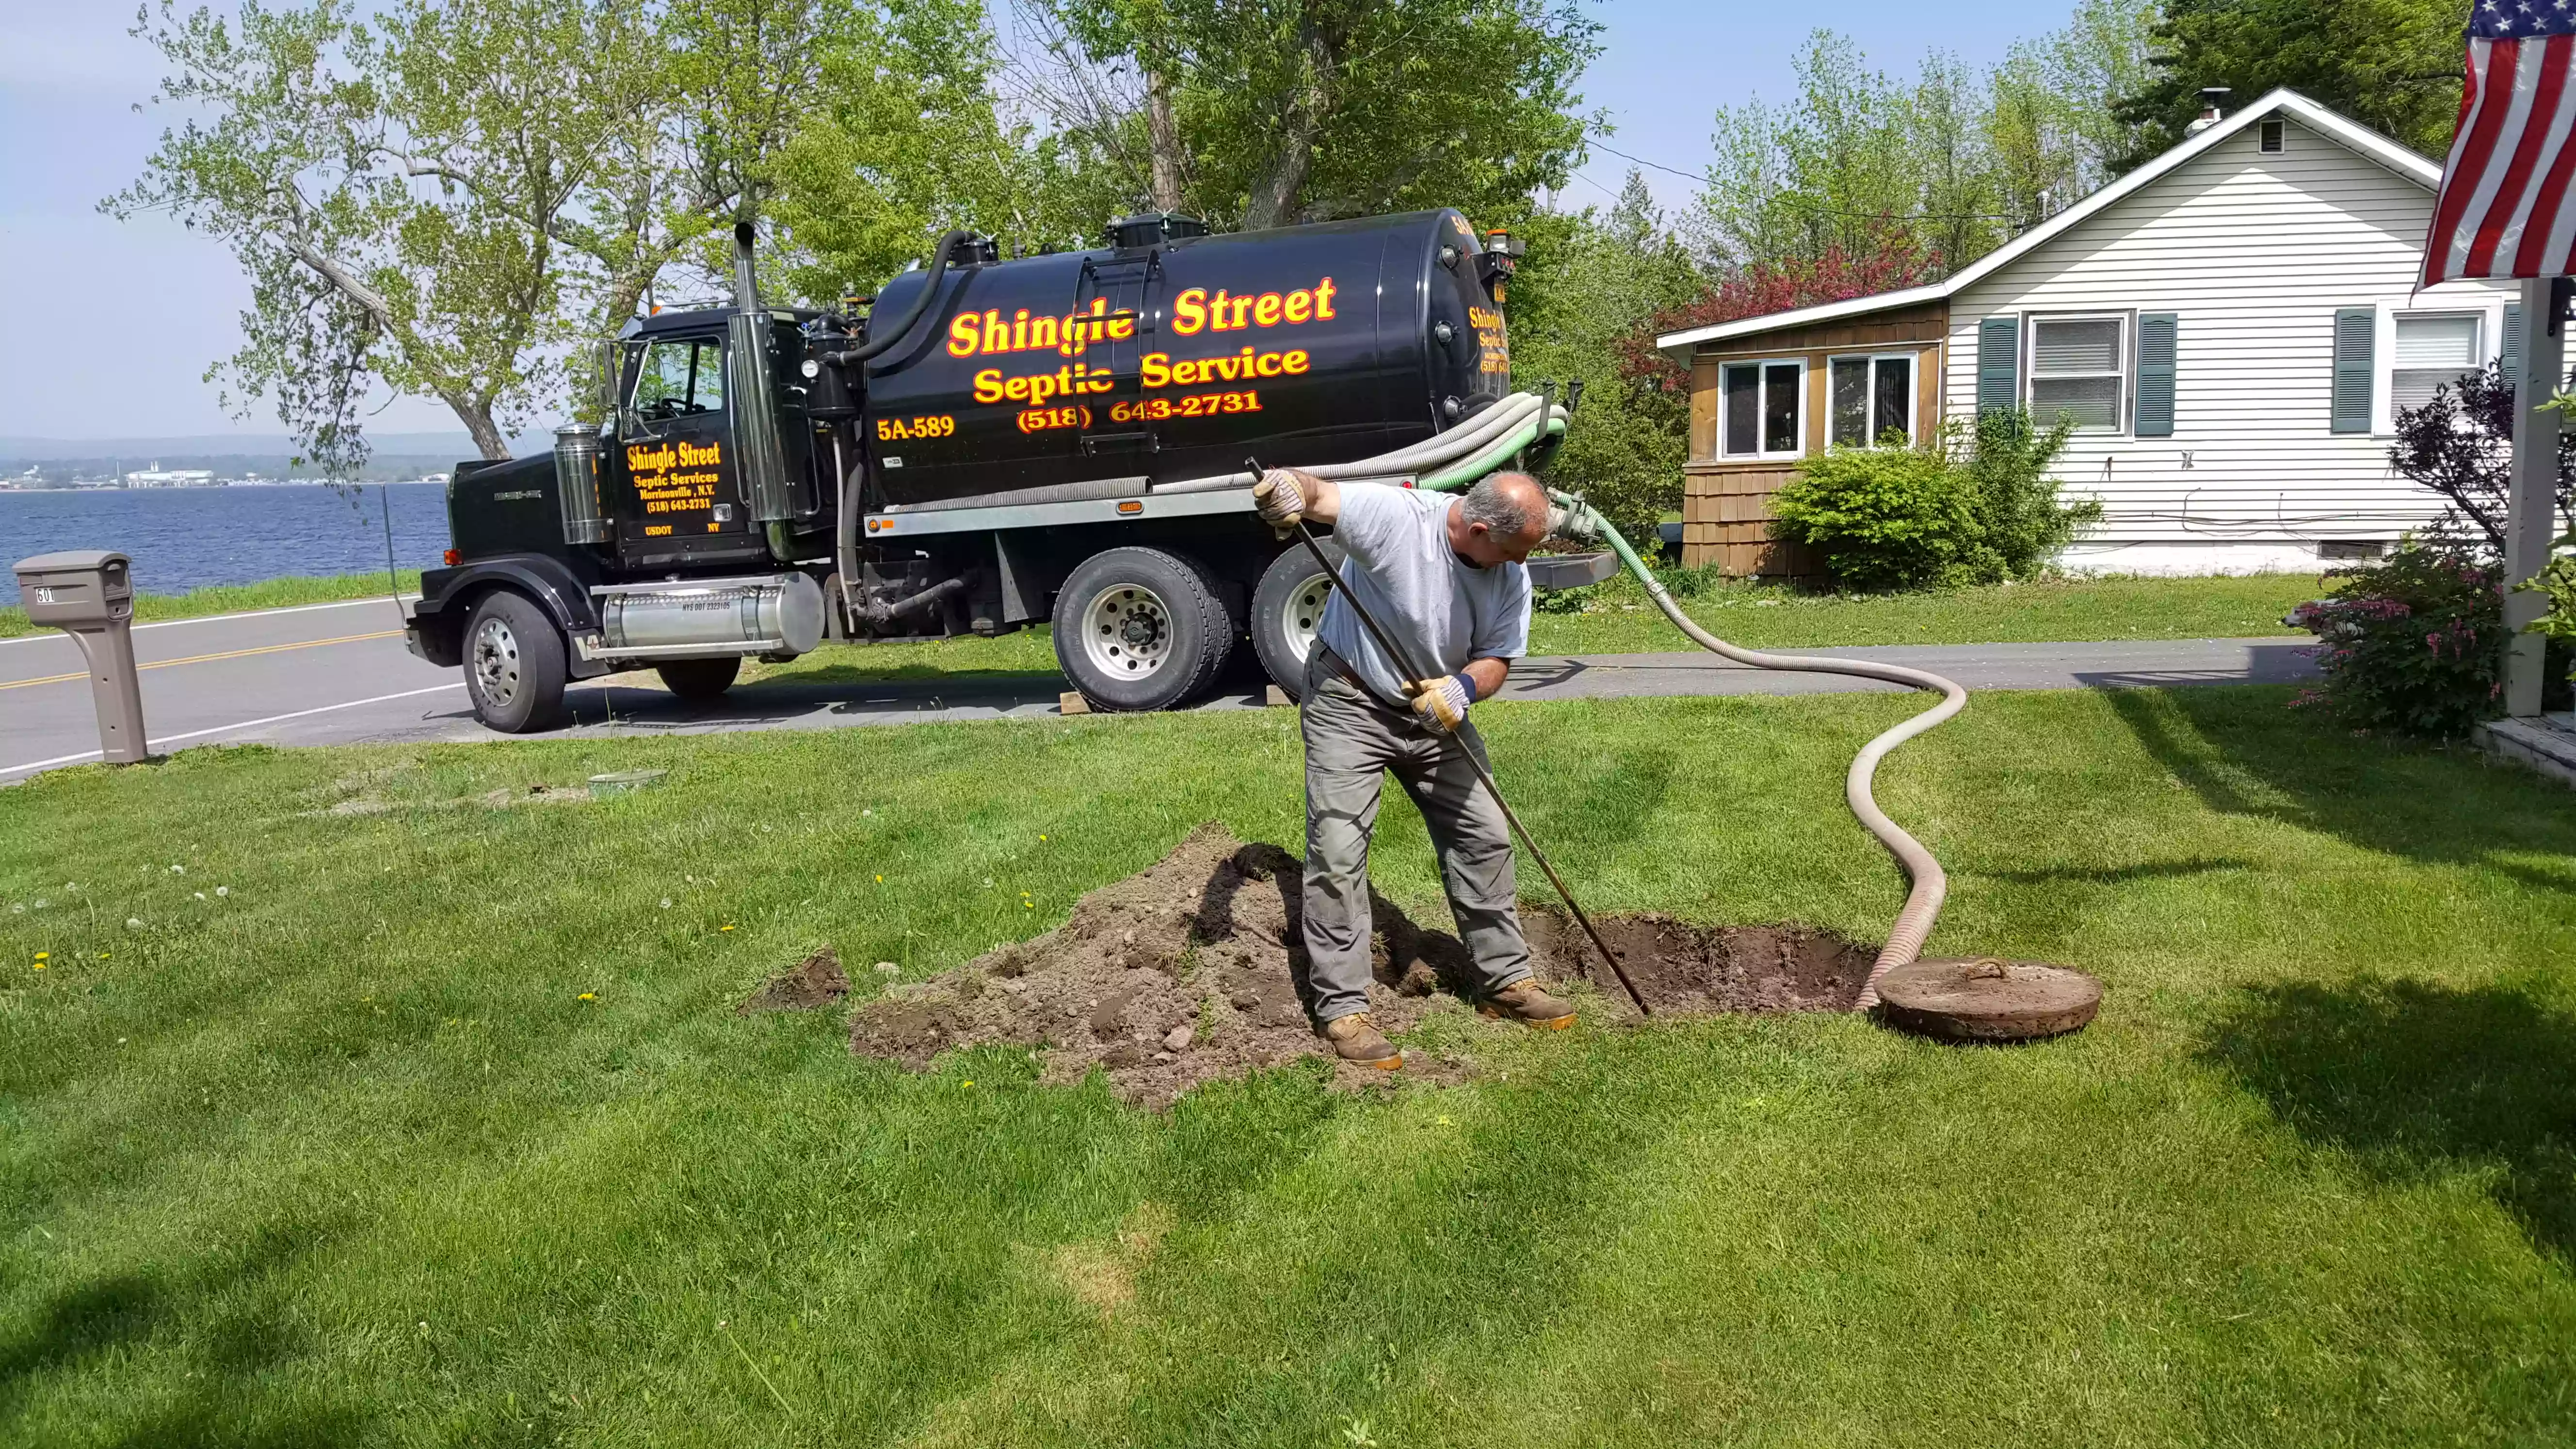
[
  {"x": 1873, "y": 401},
  {"x": 2077, "y": 371},
  {"x": 2432, "y": 352},
  {"x": 1743, "y": 410},
  {"x": 1761, "y": 410}
]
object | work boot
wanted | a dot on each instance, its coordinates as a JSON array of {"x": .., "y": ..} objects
[
  {"x": 1523, "y": 1002},
  {"x": 1355, "y": 1038}
]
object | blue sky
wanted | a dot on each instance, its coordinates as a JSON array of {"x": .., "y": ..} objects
[{"x": 116, "y": 321}]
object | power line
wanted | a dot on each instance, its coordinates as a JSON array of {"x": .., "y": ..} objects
[{"x": 1703, "y": 178}]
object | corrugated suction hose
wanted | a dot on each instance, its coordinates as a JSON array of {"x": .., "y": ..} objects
[{"x": 1931, "y": 885}]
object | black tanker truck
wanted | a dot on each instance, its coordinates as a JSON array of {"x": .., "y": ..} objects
[{"x": 986, "y": 444}]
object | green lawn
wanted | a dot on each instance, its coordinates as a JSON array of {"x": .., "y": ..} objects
[
  {"x": 342, "y": 1154},
  {"x": 231, "y": 599},
  {"x": 1763, "y": 616}
]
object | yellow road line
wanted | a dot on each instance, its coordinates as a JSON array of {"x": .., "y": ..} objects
[{"x": 210, "y": 658}]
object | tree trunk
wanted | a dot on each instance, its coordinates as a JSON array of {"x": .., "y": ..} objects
[
  {"x": 1163, "y": 137},
  {"x": 477, "y": 417},
  {"x": 1274, "y": 192}
]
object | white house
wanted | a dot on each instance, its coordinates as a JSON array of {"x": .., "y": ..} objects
[{"x": 2232, "y": 326}]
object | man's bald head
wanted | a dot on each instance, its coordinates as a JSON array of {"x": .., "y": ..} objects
[{"x": 1500, "y": 520}]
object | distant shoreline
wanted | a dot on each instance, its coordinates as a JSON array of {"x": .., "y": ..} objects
[{"x": 283, "y": 593}]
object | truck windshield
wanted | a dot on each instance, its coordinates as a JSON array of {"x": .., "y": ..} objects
[{"x": 680, "y": 378}]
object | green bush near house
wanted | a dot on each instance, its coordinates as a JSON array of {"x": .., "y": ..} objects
[{"x": 1969, "y": 506}]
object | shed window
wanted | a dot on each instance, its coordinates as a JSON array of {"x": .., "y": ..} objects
[
  {"x": 2433, "y": 350},
  {"x": 2079, "y": 370},
  {"x": 1873, "y": 400},
  {"x": 1763, "y": 408},
  {"x": 2274, "y": 136}
]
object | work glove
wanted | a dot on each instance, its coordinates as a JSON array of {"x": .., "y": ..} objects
[
  {"x": 1280, "y": 499},
  {"x": 1442, "y": 703}
]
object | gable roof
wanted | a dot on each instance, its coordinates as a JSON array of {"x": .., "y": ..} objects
[{"x": 2360, "y": 139}]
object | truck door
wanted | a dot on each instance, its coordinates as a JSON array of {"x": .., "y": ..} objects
[
  {"x": 1118, "y": 438},
  {"x": 684, "y": 481}
]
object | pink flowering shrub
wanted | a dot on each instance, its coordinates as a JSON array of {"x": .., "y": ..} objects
[{"x": 2411, "y": 645}]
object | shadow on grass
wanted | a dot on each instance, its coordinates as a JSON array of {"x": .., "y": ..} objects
[
  {"x": 2415, "y": 1079},
  {"x": 2124, "y": 874},
  {"x": 241, "y": 1337},
  {"x": 2246, "y": 752}
]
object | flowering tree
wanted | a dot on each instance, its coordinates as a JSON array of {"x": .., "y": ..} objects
[{"x": 1891, "y": 263}]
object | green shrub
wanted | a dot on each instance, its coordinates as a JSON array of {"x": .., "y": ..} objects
[
  {"x": 1883, "y": 518},
  {"x": 2411, "y": 645},
  {"x": 2023, "y": 526},
  {"x": 1897, "y": 518}
]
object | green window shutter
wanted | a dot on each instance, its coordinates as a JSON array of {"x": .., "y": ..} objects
[
  {"x": 1999, "y": 362},
  {"x": 2156, "y": 331},
  {"x": 2353, "y": 330},
  {"x": 2509, "y": 356}
]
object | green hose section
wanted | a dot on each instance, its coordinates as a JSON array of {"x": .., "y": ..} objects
[{"x": 1493, "y": 456}]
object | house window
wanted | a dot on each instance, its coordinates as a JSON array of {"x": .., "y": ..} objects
[
  {"x": 1763, "y": 408},
  {"x": 2079, "y": 370},
  {"x": 2433, "y": 350},
  {"x": 2274, "y": 137},
  {"x": 1873, "y": 400}
]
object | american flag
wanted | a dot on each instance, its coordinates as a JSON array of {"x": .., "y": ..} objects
[{"x": 2506, "y": 208}]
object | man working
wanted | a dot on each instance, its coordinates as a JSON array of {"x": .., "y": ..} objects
[{"x": 1443, "y": 576}]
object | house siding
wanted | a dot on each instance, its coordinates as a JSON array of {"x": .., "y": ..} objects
[{"x": 2254, "y": 253}]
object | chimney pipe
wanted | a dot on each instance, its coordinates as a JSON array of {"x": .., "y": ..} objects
[
  {"x": 2213, "y": 107},
  {"x": 746, "y": 289}
]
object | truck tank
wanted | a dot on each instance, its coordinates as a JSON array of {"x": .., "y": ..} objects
[{"x": 1093, "y": 373}]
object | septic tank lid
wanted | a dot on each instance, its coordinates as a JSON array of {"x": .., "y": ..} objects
[{"x": 1986, "y": 998}]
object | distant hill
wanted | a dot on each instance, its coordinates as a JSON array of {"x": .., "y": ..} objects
[{"x": 268, "y": 447}]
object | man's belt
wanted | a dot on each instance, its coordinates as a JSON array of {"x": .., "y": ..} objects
[{"x": 1341, "y": 668}]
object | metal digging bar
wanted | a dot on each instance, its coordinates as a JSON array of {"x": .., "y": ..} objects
[{"x": 1470, "y": 744}]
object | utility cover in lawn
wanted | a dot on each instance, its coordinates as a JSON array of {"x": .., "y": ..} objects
[{"x": 1195, "y": 968}]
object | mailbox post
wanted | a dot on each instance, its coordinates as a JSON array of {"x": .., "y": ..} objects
[{"x": 89, "y": 594}]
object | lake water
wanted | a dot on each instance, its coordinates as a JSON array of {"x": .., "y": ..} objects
[{"x": 186, "y": 538}]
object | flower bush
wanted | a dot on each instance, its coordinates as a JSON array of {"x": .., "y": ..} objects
[{"x": 2411, "y": 645}]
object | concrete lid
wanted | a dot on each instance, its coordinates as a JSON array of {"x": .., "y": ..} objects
[{"x": 72, "y": 560}]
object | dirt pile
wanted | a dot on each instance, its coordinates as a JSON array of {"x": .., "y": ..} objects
[
  {"x": 1193, "y": 969},
  {"x": 818, "y": 980}
]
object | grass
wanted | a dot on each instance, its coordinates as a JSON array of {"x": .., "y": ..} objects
[
  {"x": 1617, "y": 620},
  {"x": 236, "y": 598},
  {"x": 437, "y": 1125}
]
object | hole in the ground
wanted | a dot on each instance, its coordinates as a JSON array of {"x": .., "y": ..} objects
[{"x": 1195, "y": 968}]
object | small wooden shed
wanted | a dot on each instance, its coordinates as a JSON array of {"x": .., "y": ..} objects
[{"x": 1762, "y": 401}]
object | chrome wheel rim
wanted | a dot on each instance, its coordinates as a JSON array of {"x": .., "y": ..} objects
[
  {"x": 1301, "y": 612},
  {"x": 1127, "y": 631},
  {"x": 496, "y": 661}
]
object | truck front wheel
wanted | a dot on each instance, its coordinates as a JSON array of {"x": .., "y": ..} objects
[
  {"x": 514, "y": 664},
  {"x": 1141, "y": 629}
]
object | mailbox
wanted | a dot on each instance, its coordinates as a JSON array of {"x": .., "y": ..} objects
[{"x": 89, "y": 594}]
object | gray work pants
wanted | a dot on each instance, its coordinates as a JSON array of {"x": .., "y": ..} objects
[{"x": 1352, "y": 739}]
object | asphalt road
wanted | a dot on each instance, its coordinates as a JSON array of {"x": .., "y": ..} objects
[{"x": 338, "y": 674}]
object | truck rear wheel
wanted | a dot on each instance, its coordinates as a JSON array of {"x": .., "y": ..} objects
[
  {"x": 514, "y": 664},
  {"x": 1141, "y": 629},
  {"x": 698, "y": 679},
  {"x": 1286, "y": 609}
]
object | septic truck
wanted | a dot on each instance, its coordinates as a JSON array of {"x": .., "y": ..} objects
[{"x": 983, "y": 445}]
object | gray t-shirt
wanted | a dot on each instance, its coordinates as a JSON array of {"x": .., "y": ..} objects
[{"x": 1443, "y": 610}]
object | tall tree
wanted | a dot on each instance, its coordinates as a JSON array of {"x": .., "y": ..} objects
[
  {"x": 1589, "y": 280},
  {"x": 394, "y": 190},
  {"x": 2393, "y": 65},
  {"x": 1301, "y": 110}
]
